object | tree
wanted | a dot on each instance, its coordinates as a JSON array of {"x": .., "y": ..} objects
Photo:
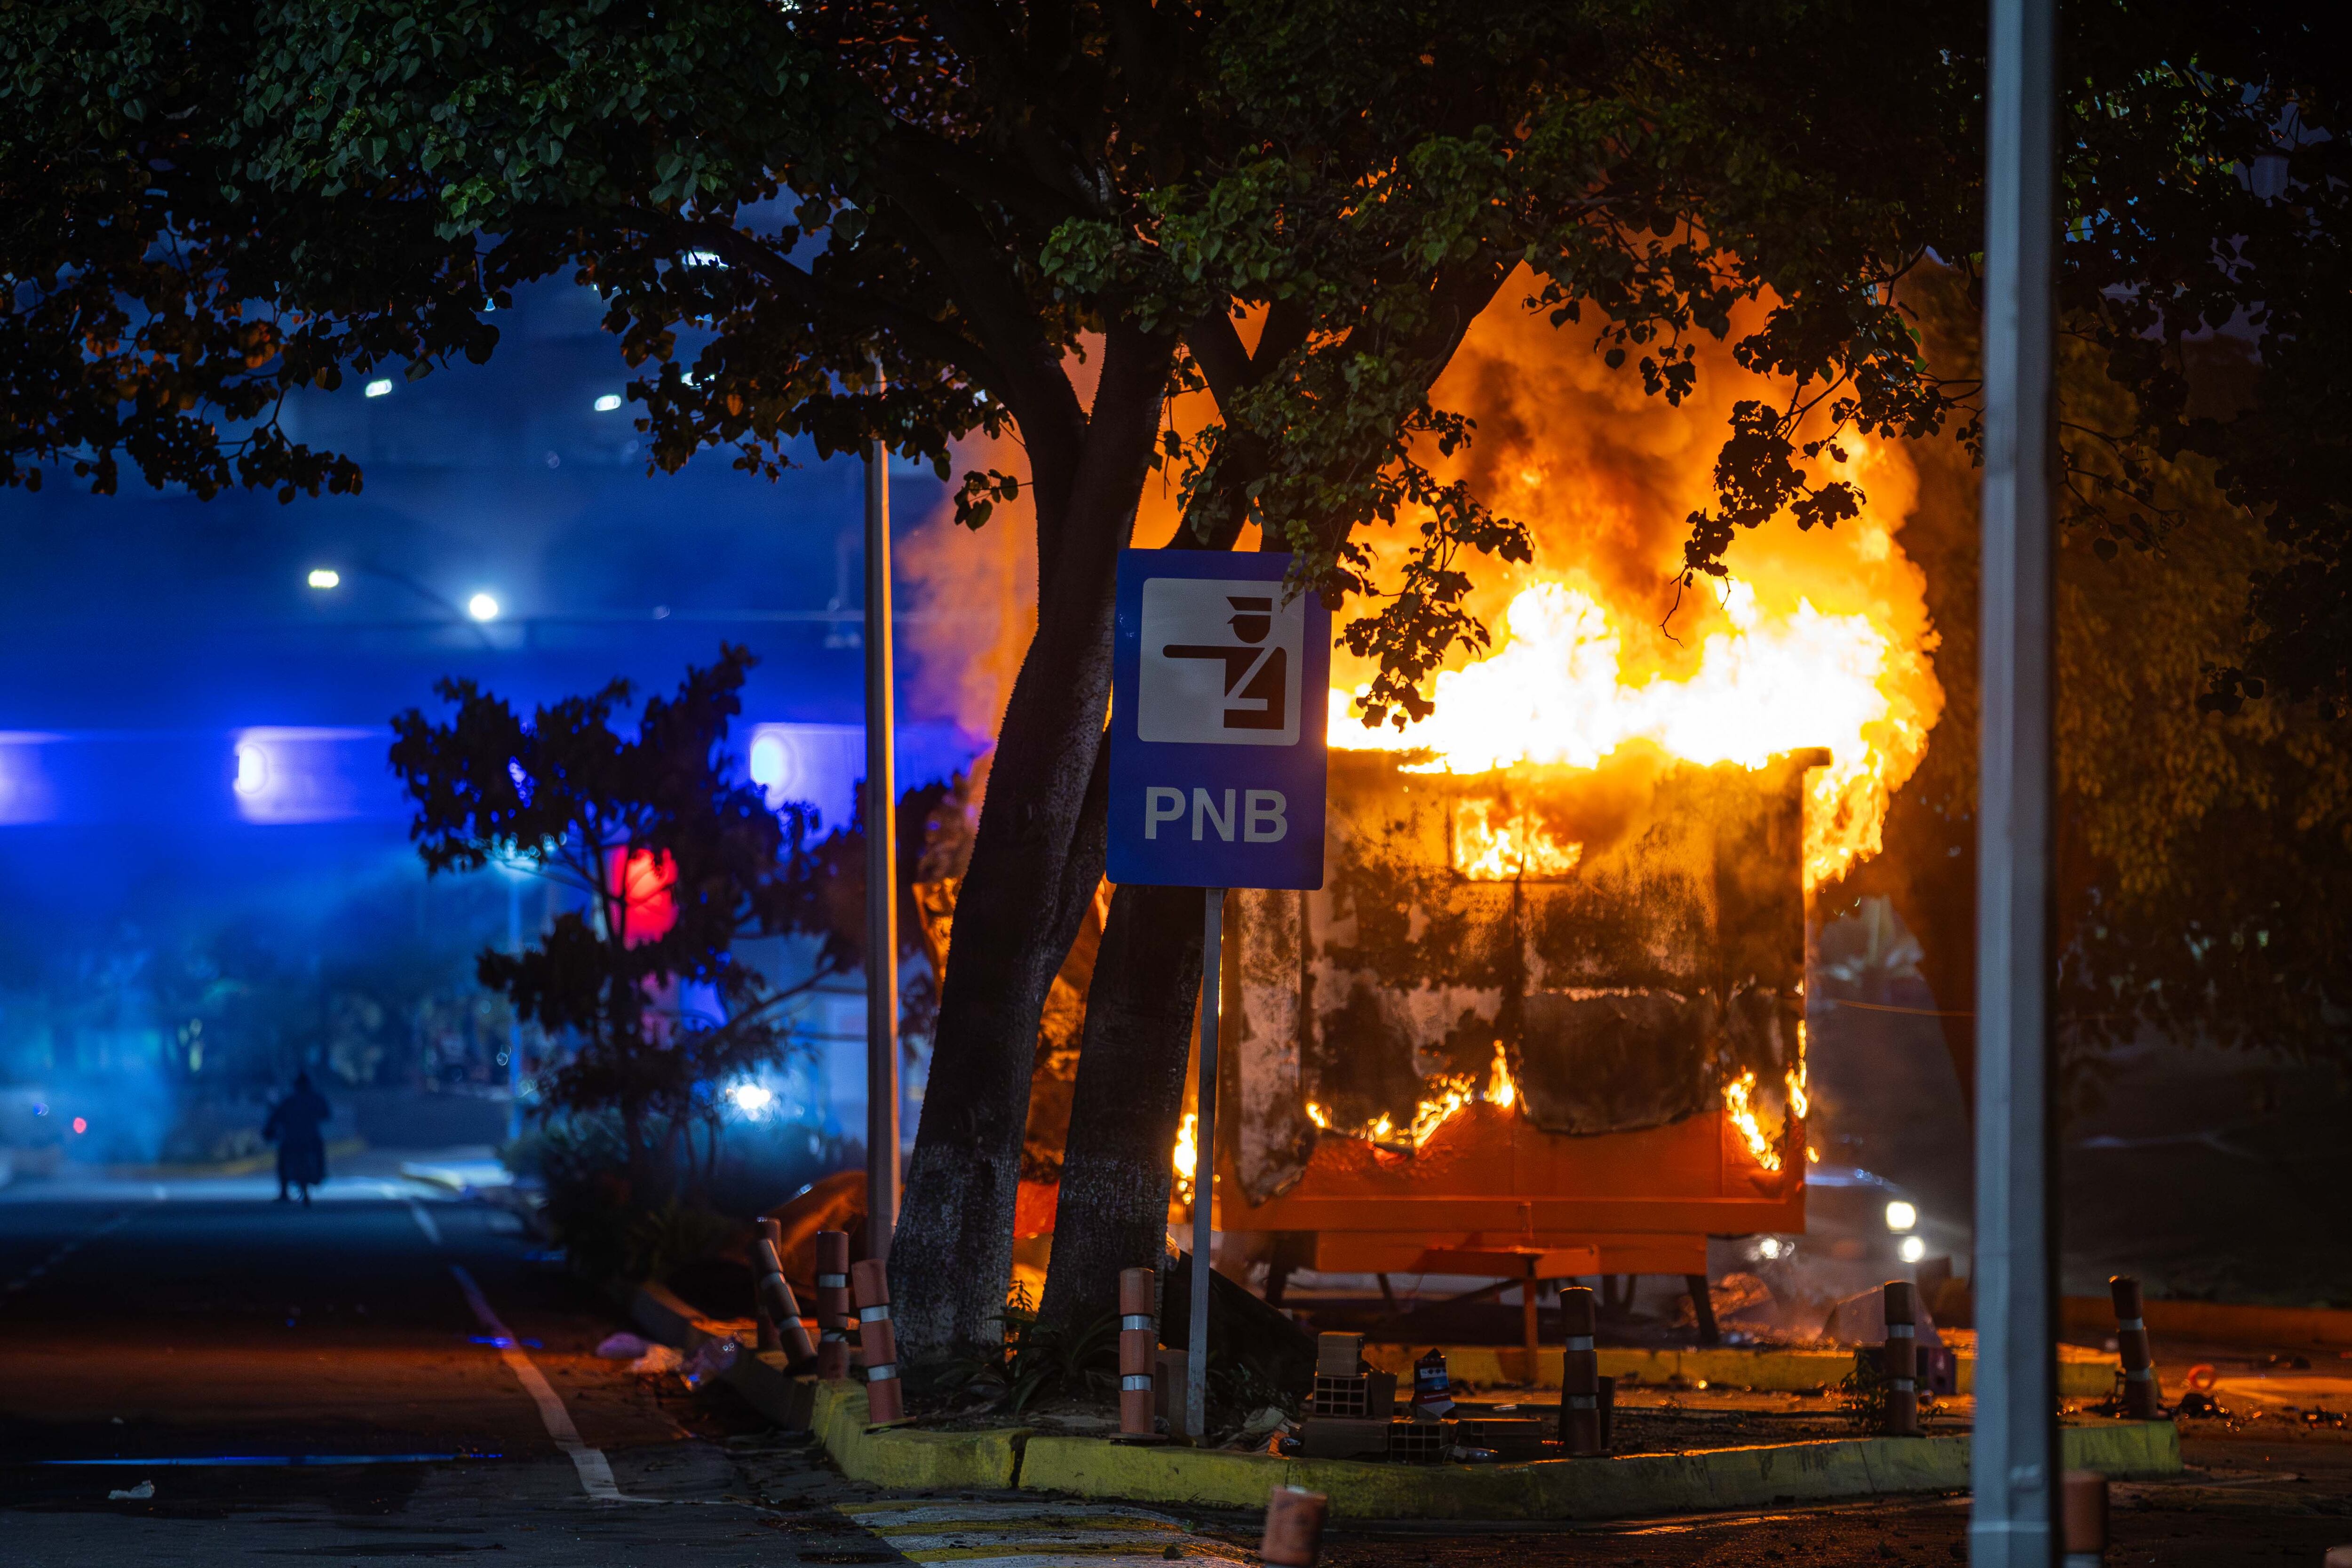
[
  {"x": 678, "y": 857},
  {"x": 2204, "y": 857},
  {"x": 1296, "y": 208}
]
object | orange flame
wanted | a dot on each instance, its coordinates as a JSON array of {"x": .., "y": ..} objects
[
  {"x": 1187, "y": 1150},
  {"x": 1819, "y": 638},
  {"x": 1500, "y": 1090},
  {"x": 1739, "y": 1110},
  {"x": 1490, "y": 846},
  {"x": 1555, "y": 690}
]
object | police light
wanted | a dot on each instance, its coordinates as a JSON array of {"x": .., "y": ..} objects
[{"x": 252, "y": 769}]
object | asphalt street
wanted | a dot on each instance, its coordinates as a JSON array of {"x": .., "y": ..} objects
[{"x": 392, "y": 1375}]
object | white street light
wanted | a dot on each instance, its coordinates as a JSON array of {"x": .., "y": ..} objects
[
  {"x": 609, "y": 402},
  {"x": 380, "y": 388},
  {"x": 325, "y": 577},
  {"x": 482, "y": 608},
  {"x": 1901, "y": 1215}
]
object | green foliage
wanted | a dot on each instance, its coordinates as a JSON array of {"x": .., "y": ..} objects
[
  {"x": 1038, "y": 1360},
  {"x": 1861, "y": 1393},
  {"x": 2204, "y": 857},
  {"x": 213, "y": 206},
  {"x": 660, "y": 816},
  {"x": 606, "y": 1230}
]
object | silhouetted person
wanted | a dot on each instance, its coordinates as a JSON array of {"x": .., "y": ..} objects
[{"x": 294, "y": 1123}]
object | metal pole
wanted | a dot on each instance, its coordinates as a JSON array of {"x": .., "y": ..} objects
[
  {"x": 2015, "y": 1448},
  {"x": 514, "y": 1020},
  {"x": 1204, "y": 1165},
  {"x": 881, "y": 870}
]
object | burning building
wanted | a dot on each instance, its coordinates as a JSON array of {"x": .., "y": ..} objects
[
  {"x": 1546, "y": 1015},
  {"x": 1539, "y": 1022}
]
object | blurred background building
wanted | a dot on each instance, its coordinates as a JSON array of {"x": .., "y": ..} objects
[{"x": 206, "y": 861}]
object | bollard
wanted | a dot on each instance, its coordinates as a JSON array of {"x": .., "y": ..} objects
[
  {"x": 2141, "y": 1395},
  {"x": 2083, "y": 1519},
  {"x": 1900, "y": 1359},
  {"x": 1294, "y": 1527},
  {"x": 833, "y": 1319},
  {"x": 1579, "y": 1373},
  {"x": 1608, "y": 1404},
  {"x": 767, "y": 1338},
  {"x": 776, "y": 1303},
  {"x": 886, "y": 1403},
  {"x": 1138, "y": 1349}
]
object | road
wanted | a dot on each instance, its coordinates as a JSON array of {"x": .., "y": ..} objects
[{"x": 328, "y": 1383}]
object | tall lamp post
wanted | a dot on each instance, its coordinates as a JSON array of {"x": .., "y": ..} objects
[
  {"x": 881, "y": 868},
  {"x": 2015, "y": 1455}
]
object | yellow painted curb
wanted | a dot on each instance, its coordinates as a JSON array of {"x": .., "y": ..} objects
[
  {"x": 2082, "y": 1373},
  {"x": 909, "y": 1459},
  {"x": 1639, "y": 1484}
]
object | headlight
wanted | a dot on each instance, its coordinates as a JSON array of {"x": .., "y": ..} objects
[
  {"x": 1914, "y": 1248},
  {"x": 1901, "y": 1215}
]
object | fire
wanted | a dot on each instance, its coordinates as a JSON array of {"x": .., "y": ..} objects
[
  {"x": 1739, "y": 1110},
  {"x": 1491, "y": 847},
  {"x": 1500, "y": 1090},
  {"x": 1451, "y": 1094},
  {"x": 1555, "y": 690},
  {"x": 1187, "y": 1150}
]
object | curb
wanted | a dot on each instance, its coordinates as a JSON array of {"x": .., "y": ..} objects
[
  {"x": 2221, "y": 1321},
  {"x": 1571, "y": 1488},
  {"x": 1004, "y": 1458},
  {"x": 2082, "y": 1373}
]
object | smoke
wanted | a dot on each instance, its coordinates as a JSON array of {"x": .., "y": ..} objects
[{"x": 970, "y": 600}]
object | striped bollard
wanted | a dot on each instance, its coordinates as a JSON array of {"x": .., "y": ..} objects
[
  {"x": 1579, "y": 1373},
  {"x": 885, "y": 1402},
  {"x": 1138, "y": 1348},
  {"x": 1294, "y": 1527},
  {"x": 1900, "y": 1359},
  {"x": 776, "y": 1303},
  {"x": 833, "y": 1303},
  {"x": 2141, "y": 1395},
  {"x": 767, "y": 1325},
  {"x": 2083, "y": 1519}
]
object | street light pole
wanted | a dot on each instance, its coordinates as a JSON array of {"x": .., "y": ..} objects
[
  {"x": 2015, "y": 1455},
  {"x": 881, "y": 868},
  {"x": 514, "y": 1020}
]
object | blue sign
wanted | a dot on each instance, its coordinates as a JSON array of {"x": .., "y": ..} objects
[{"x": 1219, "y": 693}]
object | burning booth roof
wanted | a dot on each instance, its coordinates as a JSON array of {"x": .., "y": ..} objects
[{"x": 1506, "y": 965}]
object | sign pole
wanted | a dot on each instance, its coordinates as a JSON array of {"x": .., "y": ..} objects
[
  {"x": 881, "y": 870},
  {"x": 2014, "y": 1452},
  {"x": 1204, "y": 1163}
]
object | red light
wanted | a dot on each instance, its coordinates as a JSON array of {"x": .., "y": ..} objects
[
  {"x": 644, "y": 882},
  {"x": 81, "y": 1125}
]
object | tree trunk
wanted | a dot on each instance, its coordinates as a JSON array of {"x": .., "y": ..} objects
[
  {"x": 1113, "y": 1212},
  {"x": 1037, "y": 861}
]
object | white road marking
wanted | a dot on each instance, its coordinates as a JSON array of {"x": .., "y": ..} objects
[
  {"x": 65, "y": 1250},
  {"x": 596, "y": 1470},
  {"x": 424, "y": 1222}
]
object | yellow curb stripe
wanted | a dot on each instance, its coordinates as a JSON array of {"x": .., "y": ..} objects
[
  {"x": 1048, "y": 1526},
  {"x": 1063, "y": 1559},
  {"x": 957, "y": 1543}
]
